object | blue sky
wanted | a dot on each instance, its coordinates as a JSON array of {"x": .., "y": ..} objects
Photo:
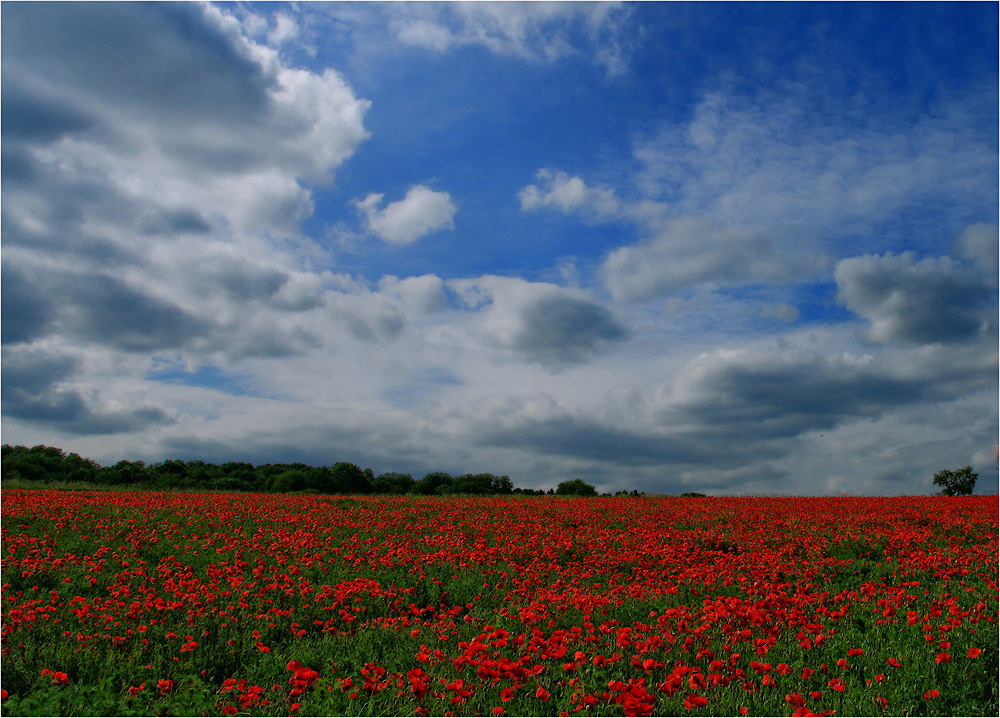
[{"x": 741, "y": 248}]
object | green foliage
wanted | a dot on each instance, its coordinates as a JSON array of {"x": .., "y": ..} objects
[
  {"x": 47, "y": 463},
  {"x": 53, "y": 468},
  {"x": 956, "y": 483},
  {"x": 393, "y": 483},
  {"x": 430, "y": 483},
  {"x": 575, "y": 487}
]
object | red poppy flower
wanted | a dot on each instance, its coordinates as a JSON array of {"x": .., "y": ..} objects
[
  {"x": 973, "y": 653},
  {"x": 542, "y": 693},
  {"x": 931, "y": 694},
  {"x": 695, "y": 701}
]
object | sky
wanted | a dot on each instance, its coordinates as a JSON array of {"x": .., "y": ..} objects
[{"x": 738, "y": 249}]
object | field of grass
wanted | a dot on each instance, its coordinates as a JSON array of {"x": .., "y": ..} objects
[{"x": 128, "y": 603}]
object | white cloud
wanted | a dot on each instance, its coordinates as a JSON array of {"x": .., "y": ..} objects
[
  {"x": 690, "y": 251},
  {"x": 426, "y": 34},
  {"x": 421, "y": 212},
  {"x": 757, "y": 160},
  {"x": 568, "y": 194},
  {"x": 285, "y": 29},
  {"x": 537, "y": 31}
]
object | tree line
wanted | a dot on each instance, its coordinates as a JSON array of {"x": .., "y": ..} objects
[{"x": 48, "y": 464}]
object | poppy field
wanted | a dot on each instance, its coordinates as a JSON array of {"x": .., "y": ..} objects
[{"x": 117, "y": 603}]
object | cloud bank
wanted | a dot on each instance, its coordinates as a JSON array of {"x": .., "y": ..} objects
[{"x": 743, "y": 281}]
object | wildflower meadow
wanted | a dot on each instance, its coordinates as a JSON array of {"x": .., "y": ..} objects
[{"x": 143, "y": 603}]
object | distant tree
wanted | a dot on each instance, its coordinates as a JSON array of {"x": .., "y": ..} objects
[
  {"x": 47, "y": 463},
  {"x": 429, "y": 484},
  {"x": 502, "y": 485},
  {"x": 125, "y": 472},
  {"x": 290, "y": 480},
  {"x": 348, "y": 479},
  {"x": 392, "y": 483},
  {"x": 239, "y": 473},
  {"x": 576, "y": 487},
  {"x": 956, "y": 483},
  {"x": 692, "y": 495},
  {"x": 473, "y": 484}
]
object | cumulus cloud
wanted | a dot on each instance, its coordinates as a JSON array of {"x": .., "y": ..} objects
[
  {"x": 126, "y": 155},
  {"x": 539, "y": 321},
  {"x": 155, "y": 167},
  {"x": 567, "y": 194},
  {"x": 421, "y": 212},
  {"x": 923, "y": 301}
]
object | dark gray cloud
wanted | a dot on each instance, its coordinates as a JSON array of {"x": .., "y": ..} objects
[
  {"x": 32, "y": 114},
  {"x": 319, "y": 440},
  {"x": 753, "y": 397},
  {"x": 27, "y": 309},
  {"x": 540, "y": 322},
  {"x": 730, "y": 418},
  {"x": 565, "y": 330},
  {"x": 244, "y": 283},
  {"x": 915, "y": 301},
  {"x": 380, "y": 326},
  {"x": 171, "y": 222},
  {"x": 578, "y": 437},
  {"x": 28, "y": 372},
  {"x": 105, "y": 310},
  {"x": 36, "y": 387},
  {"x": 159, "y": 60}
]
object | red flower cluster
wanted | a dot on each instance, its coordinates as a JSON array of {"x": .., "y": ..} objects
[{"x": 740, "y": 595}]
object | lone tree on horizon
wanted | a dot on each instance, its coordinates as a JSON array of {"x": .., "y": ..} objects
[{"x": 956, "y": 483}]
